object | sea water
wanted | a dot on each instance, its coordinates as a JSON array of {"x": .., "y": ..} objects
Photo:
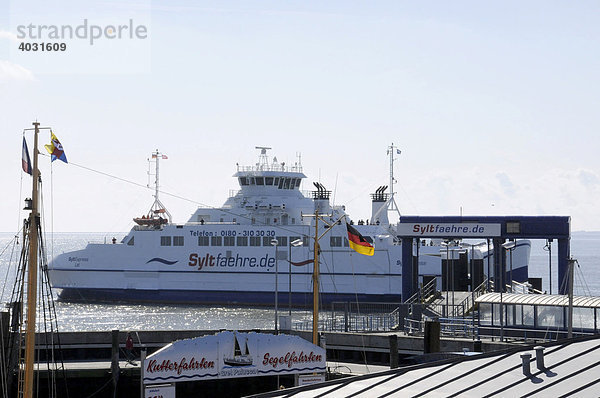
[{"x": 585, "y": 247}]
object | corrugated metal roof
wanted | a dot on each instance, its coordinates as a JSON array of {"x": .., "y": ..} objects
[
  {"x": 540, "y": 299},
  {"x": 570, "y": 368}
]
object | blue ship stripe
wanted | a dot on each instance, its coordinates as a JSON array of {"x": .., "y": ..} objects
[{"x": 161, "y": 260}]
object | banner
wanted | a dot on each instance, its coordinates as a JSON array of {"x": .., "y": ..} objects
[{"x": 233, "y": 354}]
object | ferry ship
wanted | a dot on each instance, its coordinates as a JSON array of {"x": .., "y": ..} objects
[{"x": 259, "y": 240}]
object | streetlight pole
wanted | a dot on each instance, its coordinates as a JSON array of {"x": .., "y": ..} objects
[
  {"x": 295, "y": 243},
  {"x": 274, "y": 242}
]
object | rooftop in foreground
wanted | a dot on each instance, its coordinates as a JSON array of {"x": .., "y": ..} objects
[{"x": 570, "y": 368}]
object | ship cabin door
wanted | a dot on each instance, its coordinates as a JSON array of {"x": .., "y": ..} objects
[{"x": 284, "y": 219}]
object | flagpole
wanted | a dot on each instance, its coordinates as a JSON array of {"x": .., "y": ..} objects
[{"x": 32, "y": 274}]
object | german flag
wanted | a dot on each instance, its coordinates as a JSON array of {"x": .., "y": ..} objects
[{"x": 358, "y": 243}]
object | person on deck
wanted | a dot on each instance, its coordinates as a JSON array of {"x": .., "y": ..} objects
[{"x": 129, "y": 347}]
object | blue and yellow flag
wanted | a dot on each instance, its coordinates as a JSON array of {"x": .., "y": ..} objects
[{"x": 55, "y": 149}]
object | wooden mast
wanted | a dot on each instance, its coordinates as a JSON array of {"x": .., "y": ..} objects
[
  {"x": 315, "y": 279},
  {"x": 32, "y": 274}
]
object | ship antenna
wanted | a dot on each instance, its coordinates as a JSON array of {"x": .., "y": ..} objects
[
  {"x": 392, "y": 150},
  {"x": 157, "y": 206}
]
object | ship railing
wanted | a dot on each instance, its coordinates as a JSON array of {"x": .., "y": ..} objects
[
  {"x": 212, "y": 223},
  {"x": 271, "y": 167}
]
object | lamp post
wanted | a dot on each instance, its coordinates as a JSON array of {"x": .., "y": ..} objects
[
  {"x": 295, "y": 243},
  {"x": 275, "y": 242}
]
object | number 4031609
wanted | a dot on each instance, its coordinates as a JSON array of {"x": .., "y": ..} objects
[{"x": 42, "y": 46}]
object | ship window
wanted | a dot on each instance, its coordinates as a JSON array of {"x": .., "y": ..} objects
[
  {"x": 335, "y": 241},
  {"x": 255, "y": 241},
  {"x": 251, "y": 181},
  {"x": 203, "y": 241},
  {"x": 216, "y": 241},
  {"x": 282, "y": 241},
  {"x": 268, "y": 180},
  {"x": 286, "y": 183},
  {"x": 130, "y": 243},
  {"x": 292, "y": 183},
  {"x": 266, "y": 241},
  {"x": 281, "y": 182},
  {"x": 298, "y": 181},
  {"x": 178, "y": 241},
  {"x": 243, "y": 181},
  {"x": 345, "y": 242},
  {"x": 260, "y": 181},
  {"x": 293, "y": 220},
  {"x": 242, "y": 241},
  {"x": 276, "y": 183},
  {"x": 165, "y": 241},
  {"x": 305, "y": 240},
  {"x": 229, "y": 241}
]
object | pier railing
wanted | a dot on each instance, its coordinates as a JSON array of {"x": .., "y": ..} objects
[{"x": 358, "y": 317}]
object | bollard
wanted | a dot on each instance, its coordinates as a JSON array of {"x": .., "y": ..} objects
[{"x": 431, "y": 342}]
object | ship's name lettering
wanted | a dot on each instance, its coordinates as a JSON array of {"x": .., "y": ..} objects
[
  {"x": 220, "y": 260},
  {"x": 78, "y": 259},
  {"x": 290, "y": 359},
  {"x": 173, "y": 366}
]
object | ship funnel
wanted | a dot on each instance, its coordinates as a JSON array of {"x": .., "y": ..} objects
[
  {"x": 379, "y": 206},
  {"x": 321, "y": 198}
]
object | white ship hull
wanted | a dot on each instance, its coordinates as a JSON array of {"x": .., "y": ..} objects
[{"x": 225, "y": 255}]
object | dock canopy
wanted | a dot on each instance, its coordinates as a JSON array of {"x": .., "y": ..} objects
[{"x": 538, "y": 312}]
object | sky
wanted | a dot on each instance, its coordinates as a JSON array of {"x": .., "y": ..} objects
[{"x": 494, "y": 105}]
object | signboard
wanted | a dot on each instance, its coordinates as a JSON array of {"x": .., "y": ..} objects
[
  {"x": 449, "y": 230},
  {"x": 305, "y": 380},
  {"x": 160, "y": 391},
  {"x": 233, "y": 354}
]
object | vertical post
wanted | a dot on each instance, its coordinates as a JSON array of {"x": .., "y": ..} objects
[
  {"x": 276, "y": 289},
  {"x": 550, "y": 264},
  {"x": 290, "y": 279},
  {"x": 32, "y": 274},
  {"x": 563, "y": 264},
  {"x": 407, "y": 268},
  {"x": 114, "y": 365},
  {"x": 570, "y": 326},
  {"x": 315, "y": 279},
  {"x": 142, "y": 363},
  {"x": 393, "y": 339}
]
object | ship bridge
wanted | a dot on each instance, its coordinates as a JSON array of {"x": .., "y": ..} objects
[{"x": 270, "y": 175}]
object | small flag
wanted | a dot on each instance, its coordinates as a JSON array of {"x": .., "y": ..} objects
[
  {"x": 358, "y": 243},
  {"x": 25, "y": 161},
  {"x": 55, "y": 149}
]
